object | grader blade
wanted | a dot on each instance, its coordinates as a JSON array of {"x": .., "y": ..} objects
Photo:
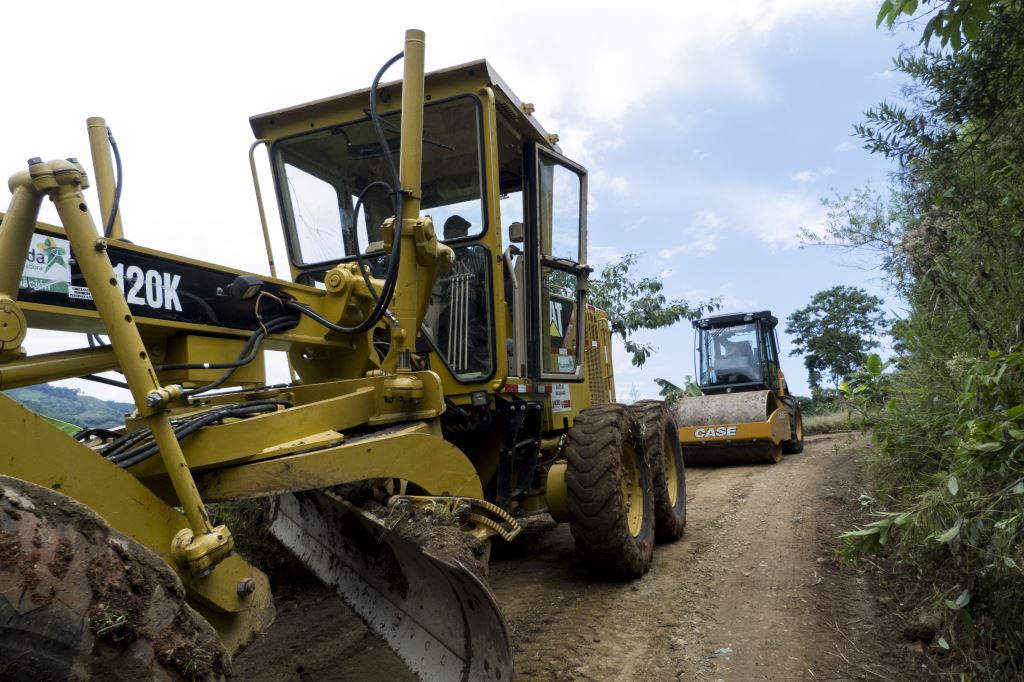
[{"x": 438, "y": 616}]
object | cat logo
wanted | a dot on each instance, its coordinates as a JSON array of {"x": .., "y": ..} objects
[{"x": 714, "y": 431}]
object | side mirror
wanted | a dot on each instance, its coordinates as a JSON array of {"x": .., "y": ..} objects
[{"x": 516, "y": 233}]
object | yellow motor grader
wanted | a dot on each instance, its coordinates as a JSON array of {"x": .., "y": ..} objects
[
  {"x": 745, "y": 414},
  {"x": 450, "y": 380}
]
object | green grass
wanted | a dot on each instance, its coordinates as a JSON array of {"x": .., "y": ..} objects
[{"x": 833, "y": 422}]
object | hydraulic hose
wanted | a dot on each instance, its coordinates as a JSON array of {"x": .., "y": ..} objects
[
  {"x": 109, "y": 227},
  {"x": 382, "y": 301}
]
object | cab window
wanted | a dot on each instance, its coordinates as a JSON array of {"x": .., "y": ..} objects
[
  {"x": 322, "y": 173},
  {"x": 560, "y": 215}
]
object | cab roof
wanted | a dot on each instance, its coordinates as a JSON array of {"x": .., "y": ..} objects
[
  {"x": 731, "y": 319},
  {"x": 465, "y": 78}
]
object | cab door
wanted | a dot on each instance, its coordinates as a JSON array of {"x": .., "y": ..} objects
[
  {"x": 771, "y": 356},
  {"x": 557, "y": 276}
]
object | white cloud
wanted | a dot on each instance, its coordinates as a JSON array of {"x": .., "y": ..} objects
[
  {"x": 806, "y": 176},
  {"x": 700, "y": 237},
  {"x": 776, "y": 219},
  {"x": 599, "y": 256},
  {"x": 844, "y": 147},
  {"x": 603, "y": 182}
]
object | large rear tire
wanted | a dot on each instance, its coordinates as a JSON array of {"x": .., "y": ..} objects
[
  {"x": 78, "y": 600},
  {"x": 660, "y": 435},
  {"x": 795, "y": 444},
  {"x": 611, "y": 508}
]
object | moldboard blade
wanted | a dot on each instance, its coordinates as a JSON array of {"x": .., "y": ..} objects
[{"x": 437, "y": 615}]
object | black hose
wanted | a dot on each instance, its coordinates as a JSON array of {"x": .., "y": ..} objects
[
  {"x": 102, "y": 434},
  {"x": 382, "y": 301},
  {"x": 119, "y": 454},
  {"x": 249, "y": 352},
  {"x": 109, "y": 228},
  {"x": 104, "y": 380},
  {"x": 355, "y": 221},
  {"x": 375, "y": 117}
]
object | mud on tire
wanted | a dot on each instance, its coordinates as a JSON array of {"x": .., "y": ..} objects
[
  {"x": 657, "y": 430},
  {"x": 795, "y": 444},
  {"x": 613, "y": 528},
  {"x": 80, "y": 601}
]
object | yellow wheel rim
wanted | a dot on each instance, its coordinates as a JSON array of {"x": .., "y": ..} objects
[
  {"x": 671, "y": 472},
  {"x": 799, "y": 427},
  {"x": 632, "y": 491}
]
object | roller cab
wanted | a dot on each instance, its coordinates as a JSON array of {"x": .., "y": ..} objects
[{"x": 745, "y": 413}]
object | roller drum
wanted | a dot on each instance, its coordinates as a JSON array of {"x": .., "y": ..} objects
[{"x": 728, "y": 408}]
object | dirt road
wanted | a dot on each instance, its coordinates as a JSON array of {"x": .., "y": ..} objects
[{"x": 750, "y": 593}]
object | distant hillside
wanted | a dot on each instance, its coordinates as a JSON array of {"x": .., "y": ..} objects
[{"x": 71, "y": 405}]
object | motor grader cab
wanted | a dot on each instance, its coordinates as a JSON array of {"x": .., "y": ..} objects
[
  {"x": 745, "y": 412},
  {"x": 451, "y": 379}
]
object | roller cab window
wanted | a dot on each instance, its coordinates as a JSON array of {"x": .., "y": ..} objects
[{"x": 731, "y": 355}]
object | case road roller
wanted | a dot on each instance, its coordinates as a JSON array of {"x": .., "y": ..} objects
[
  {"x": 449, "y": 372},
  {"x": 745, "y": 413}
]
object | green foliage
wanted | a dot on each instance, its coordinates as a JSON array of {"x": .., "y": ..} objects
[
  {"x": 71, "y": 405},
  {"x": 866, "y": 391},
  {"x": 835, "y": 331},
  {"x": 955, "y": 22},
  {"x": 673, "y": 394},
  {"x": 838, "y": 421},
  {"x": 865, "y": 223},
  {"x": 635, "y": 303},
  {"x": 949, "y": 420},
  {"x": 823, "y": 401},
  {"x": 968, "y": 508}
]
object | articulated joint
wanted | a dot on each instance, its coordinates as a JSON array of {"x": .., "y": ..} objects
[
  {"x": 403, "y": 387},
  {"x": 159, "y": 398},
  {"x": 200, "y": 554},
  {"x": 13, "y": 327},
  {"x": 48, "y": 176}
]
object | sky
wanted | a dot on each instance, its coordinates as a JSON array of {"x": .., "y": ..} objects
[{"x": 711, "y": 131}]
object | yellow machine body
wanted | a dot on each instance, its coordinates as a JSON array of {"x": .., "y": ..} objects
[
  {"x": 745, "y": 412},
  {"x": 427, "y": 395}
]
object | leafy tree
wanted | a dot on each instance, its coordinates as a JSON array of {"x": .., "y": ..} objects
[
  {"x": 835, "y": 331},
  {"x": 955, "y": 22},
  {"x": 673, "y": 393},
  {"x": 634, "y": 303},
  {"x": 949, "y": 454}
]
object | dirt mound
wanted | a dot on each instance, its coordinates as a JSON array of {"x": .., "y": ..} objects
[
  {"x": 79, "y": 600},
  {"x": 438, "y": 531}
]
